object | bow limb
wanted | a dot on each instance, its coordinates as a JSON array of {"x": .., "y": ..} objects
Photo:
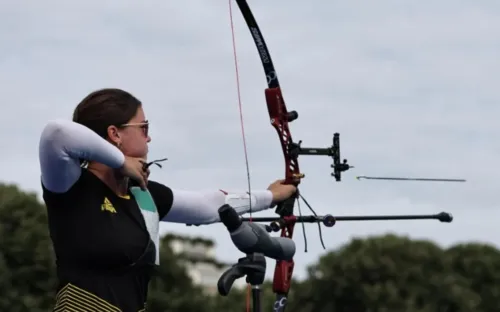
[{"x": 279, "y": 118}]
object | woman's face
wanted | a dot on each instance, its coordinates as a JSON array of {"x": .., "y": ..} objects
[{"x": 134, "y": 136}]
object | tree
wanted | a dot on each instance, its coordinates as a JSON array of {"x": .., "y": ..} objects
[
  {"x": 480, "y": 265},
  {"x": 27, "y": 266},
  {"x": 235, "y": 301},
  {"x": 389, "y": 274}
]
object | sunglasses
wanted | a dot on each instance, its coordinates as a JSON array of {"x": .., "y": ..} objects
[{"x": 143, "y": 125}]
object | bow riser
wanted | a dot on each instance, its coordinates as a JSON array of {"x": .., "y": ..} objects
[{"x": 280, "y": 117}]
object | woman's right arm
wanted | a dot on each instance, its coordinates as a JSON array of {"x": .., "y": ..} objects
[{"x": 63, "y": 144}]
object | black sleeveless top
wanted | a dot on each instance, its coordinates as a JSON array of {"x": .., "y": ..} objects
[{"x": 104, "y": 253}]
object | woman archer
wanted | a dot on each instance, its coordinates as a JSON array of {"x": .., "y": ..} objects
[{"x": 104, "y": 216}]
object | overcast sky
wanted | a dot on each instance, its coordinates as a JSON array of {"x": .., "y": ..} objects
[{"x": 412, "y": 86}]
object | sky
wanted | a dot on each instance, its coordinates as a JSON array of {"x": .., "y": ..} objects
[{"x": 411, "y": 86}]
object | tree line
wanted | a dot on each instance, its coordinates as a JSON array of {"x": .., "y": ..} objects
[{"x": 379, "y": 274}]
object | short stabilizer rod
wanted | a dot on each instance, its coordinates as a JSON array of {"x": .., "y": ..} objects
[{"x": 329, "y": 220}]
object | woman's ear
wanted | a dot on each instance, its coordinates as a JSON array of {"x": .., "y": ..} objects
[{"x": 114, "y": 135}]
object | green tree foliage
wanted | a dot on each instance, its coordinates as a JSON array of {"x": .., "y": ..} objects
[
  {"x": 389, "y": 274},
  {"x": 27, "y": 271},
  {"x": 235, "y": 301},
  {"x": 480, "y": 265}
]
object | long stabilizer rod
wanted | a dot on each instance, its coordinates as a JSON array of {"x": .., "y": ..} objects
[
  {"x": 329, "y": 220},
  {"x": 409, "y": 179}
]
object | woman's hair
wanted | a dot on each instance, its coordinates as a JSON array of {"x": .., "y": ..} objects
[{"x": 103, "y": 108}]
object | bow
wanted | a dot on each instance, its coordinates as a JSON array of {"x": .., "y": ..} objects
[{"x": 280, "y": 118}]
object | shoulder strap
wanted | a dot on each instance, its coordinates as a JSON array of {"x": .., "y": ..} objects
[{"x": 151, "y": 217}]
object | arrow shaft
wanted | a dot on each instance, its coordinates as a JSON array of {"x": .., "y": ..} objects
[{"x": 411, "y": 179}]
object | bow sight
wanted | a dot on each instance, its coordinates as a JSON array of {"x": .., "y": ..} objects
[{"x": 295, "y": 149}]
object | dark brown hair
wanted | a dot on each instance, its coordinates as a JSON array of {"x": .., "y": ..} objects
[{"x": 103, "y": 108}]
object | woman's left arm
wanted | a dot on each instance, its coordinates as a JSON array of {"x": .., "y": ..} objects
[{"x": 192, "y": 207}]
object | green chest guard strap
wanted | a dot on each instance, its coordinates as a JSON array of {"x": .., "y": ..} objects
[{"x": 148, "y": 209}]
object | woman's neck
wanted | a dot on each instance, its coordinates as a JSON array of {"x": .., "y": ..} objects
[{"x": 113, "y": 179}]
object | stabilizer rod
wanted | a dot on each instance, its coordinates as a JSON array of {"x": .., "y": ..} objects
[{"x": 329, "y": 220}]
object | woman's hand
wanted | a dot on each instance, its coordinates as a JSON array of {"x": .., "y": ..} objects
[
  {"x": 134, "y": 168},
  {"x": 281, "y": 192}
]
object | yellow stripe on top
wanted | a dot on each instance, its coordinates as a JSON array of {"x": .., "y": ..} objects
[
  {"x": 124, "y": 196},
  {"x": 73, "y": 298}
]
